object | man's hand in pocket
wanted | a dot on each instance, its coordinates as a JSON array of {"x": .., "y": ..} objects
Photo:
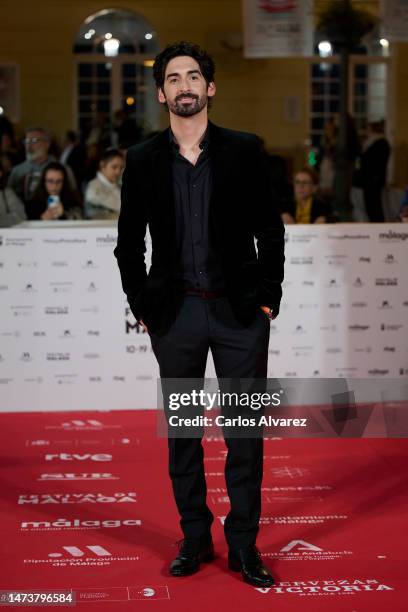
[
  {"x": 144, "y": 326},
  {"x": 269, "y": 312}
]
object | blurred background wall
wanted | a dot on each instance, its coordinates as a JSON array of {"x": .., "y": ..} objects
[{"x": 272, "y": 97}]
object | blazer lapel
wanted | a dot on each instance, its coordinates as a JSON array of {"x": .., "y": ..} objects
[
  {"x": 161, "y": 157},
  {"x": 162, "y": 163},
  {"x": 220, "y": 162}
]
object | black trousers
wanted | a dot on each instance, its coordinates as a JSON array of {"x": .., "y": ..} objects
[{"x": 238, "y": 352}]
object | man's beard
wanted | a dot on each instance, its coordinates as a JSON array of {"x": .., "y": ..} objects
[{"x": 188, "y": 110}]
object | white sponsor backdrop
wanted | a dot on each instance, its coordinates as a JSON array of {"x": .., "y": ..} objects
[{"x": 69, "y": 342}]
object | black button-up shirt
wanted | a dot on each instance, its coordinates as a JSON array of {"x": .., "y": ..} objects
[{"x": 199, "y": 265}]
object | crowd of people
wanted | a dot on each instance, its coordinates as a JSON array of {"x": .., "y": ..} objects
[
  {"x": 39, "y": 181},
  {"x": 367, "y": 163},
  {"x": 81, "y": 179}
]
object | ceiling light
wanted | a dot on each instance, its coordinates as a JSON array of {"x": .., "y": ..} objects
[
  {"x": 325, "y": 48},
  {"x": 111, "y": 47}
]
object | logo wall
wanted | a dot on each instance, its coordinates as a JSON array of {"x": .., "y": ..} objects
[{"x": 65, "y": 320}]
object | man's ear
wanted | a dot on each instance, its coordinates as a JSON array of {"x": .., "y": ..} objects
[
  {"x": 160, "y": 95},
  {"x": 211, "y": 89}
]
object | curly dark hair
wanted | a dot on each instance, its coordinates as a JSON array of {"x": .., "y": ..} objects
[{"x": 203, "y": 59}]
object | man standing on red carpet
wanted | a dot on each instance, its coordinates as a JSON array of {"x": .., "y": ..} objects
[{"x": 205, "y": 193}]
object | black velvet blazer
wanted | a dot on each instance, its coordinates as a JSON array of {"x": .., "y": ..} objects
[{"x": 242, "y": 207}]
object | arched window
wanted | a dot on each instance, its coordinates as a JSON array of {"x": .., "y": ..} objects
[
  {"x": 367, "y": 102},
  {"x": 114, "y": 51}
]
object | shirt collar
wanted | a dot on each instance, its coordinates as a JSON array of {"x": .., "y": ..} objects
[{"x": 205, "y": 139}]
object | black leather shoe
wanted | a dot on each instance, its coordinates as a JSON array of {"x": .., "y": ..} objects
[
  {"x": 192, "y": 552},
  {"x": 248, "y": 561}
]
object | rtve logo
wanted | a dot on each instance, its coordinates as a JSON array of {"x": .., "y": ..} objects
[{"x": 77, "y": 457}]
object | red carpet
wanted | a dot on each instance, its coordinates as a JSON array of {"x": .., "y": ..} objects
[{"x": 87, "y": 505}]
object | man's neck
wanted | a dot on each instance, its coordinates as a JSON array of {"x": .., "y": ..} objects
[{"x": 188, "y": 131}]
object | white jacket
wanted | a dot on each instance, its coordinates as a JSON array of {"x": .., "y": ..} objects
[
  {"x": 102, "y": 194},
  {"x": 12, "y": 209}
]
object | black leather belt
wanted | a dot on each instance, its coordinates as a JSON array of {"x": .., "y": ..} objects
[{"x": 205, "y": 294}]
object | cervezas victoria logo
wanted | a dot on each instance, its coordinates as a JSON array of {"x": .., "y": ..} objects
[{"x": 336, "y": 586}]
